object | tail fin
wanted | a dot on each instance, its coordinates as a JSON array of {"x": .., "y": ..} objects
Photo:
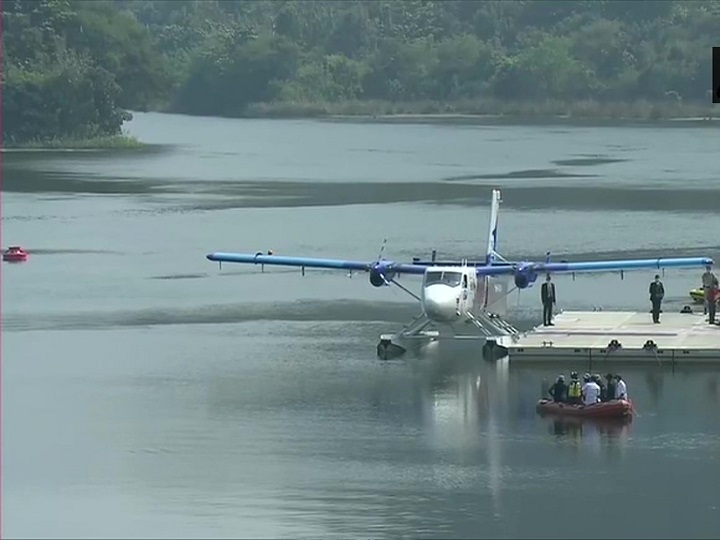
[
  {"x": 491, "y": 253},
  {"x": 492, "y": 245}
]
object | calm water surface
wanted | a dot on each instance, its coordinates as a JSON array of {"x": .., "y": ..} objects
[{"x": 148, "y": 394}]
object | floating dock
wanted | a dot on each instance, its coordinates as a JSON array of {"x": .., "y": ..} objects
[{"x": 599, "y": 336}]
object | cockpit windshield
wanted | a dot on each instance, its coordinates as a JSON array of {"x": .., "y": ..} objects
[{"x": 449, "y": 278}]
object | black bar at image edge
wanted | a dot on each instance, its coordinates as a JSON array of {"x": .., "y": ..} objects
[{"x": 716, "y": 75}]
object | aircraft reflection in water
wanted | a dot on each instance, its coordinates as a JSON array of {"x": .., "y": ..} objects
[
  {"x": 464, "y": 411},
  {"x": 470, "y": 411}
]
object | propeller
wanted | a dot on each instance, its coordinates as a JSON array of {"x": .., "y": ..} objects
[
  {"x": 382, "y": 248},
  {"x": 377, "y": 260}
]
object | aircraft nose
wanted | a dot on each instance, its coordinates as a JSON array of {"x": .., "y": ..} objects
[{"x": 439, "y": 303}]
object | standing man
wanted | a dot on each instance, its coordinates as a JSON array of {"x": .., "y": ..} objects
[
  {"x": 547, "y": 295},
  {"x": 710, "y": 287},
  {"x": 657, "y": 292}
]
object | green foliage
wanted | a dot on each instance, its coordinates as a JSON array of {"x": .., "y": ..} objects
[
  {"x": 72, "y": 66},
  {"x": 237, "y": 69},
  {"x": 333, "y": 78},
  {"x": 118, "y": 44},
  {"x": 420, "y": 50},
  {"x": 69, "y": 97}
]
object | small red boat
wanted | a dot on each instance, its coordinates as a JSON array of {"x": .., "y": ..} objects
[
  {"x": 15, "y": 254},
  {"x": 617, "y": 408}
]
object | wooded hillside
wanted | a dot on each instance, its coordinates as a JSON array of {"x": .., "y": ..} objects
[{"x": 72, "y": 67}]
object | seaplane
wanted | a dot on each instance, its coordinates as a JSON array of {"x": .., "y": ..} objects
[{"x": 456, "y": 295}]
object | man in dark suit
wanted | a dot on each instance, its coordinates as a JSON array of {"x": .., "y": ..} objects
[
  {"x": 657, "y": 293},
  {"x": 547, "y": 295}
]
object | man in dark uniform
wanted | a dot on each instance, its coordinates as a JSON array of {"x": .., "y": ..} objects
[
  {"x": 547, "y": 295},
  {"x": 657, "y": 293}
]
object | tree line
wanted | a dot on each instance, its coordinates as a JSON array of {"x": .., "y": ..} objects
[{"x": 73, "y": 67}]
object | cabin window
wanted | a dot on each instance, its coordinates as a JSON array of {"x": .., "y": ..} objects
[
  {"x": 452, "y": 278},
  {"x": 443, "y": 277},
  {"x": 433, "y": 277},
  {"x": 464, "y": 281}
]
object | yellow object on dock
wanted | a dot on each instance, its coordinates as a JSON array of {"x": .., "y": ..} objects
[{"x": 697, "y": 295}]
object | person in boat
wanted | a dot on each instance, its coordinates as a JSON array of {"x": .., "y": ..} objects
[
  {"x": 598, "y": 380},
  {"x": 558, "y": 391},
  {"x": 610, "y": 387},
  {"x": 621, "y": 388},
  {"x": 574, "y": 389},
  {"x": 590, "y": 391},
  {"x": 710, "y": 288}
]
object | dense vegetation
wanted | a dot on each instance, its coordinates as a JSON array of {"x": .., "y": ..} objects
[{"x": 72, "y": 67}]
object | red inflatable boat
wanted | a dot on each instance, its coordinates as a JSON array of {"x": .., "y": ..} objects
[
  {"x": 617, "y": 408},
  {"x": 15, "y": 254}
]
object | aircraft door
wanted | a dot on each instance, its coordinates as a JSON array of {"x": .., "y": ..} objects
[{"x": 472, "y": 291}]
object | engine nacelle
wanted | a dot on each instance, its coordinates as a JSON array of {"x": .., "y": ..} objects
[
  {"x": 380, "y": 273},
  {"x": 525, "y": 276}
]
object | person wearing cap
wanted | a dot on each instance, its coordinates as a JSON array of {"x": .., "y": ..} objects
[
  {"x": 590, "y": 391},
  {"x": 574, "y": 389},
  {"x": 710, "y": 288},
  {"x": 657, "y": 293},
  {"x": 558, "y": 391},
  {"x": 610, "y": 387},
  {"x": 621, "y": 392}
]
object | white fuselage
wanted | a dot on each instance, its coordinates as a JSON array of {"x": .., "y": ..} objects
[{"x": 448, "y": 293}]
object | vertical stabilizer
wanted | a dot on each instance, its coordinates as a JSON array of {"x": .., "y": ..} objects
[{"x": 492, "y": 245}]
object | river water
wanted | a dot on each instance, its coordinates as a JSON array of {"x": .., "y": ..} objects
[{"x": 147, "y": 393}]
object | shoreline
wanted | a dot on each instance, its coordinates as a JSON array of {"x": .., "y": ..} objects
[
  {"x": 110, "y": 142},
  {"x": 488, "y": 111},
  {"x": 478, "y": 112}
]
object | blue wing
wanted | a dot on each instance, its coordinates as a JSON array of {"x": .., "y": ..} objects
[
  {"x": 310, "y": 262},
  {"x": 595, "y": 266},
  {"x": 481, "y": 269},
  {"x": 526, "y": 273}
]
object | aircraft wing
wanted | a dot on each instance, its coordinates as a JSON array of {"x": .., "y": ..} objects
[
  {"x": 386, "y": 267},
  {"x": 525, "y": 273},
  {"x": 628, "y": 264},
  {"x": 596, "y": 266}
]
